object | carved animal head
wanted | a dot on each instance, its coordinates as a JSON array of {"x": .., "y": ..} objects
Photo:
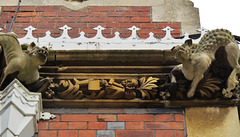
[
  {"x": 184, "y": 51},
  {"x": 37, "y": 54}
]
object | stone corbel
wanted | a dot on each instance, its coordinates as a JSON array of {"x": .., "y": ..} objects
[{"x": 19, "y": 111}]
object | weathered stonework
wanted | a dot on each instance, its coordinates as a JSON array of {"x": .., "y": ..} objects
[
  {"x": 212, "y": 122},
  {"x": 162, "y": 10},
  {"x": 216, "y": 47}
]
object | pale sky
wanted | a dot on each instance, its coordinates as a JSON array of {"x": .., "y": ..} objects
[{"x": 219, "y": 14}]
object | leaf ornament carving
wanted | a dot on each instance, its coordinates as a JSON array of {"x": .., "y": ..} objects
[
  {"x": 209, "y": 86},
  {"x": 146, "y": 85},
  {"x": 71, "y": 92}
]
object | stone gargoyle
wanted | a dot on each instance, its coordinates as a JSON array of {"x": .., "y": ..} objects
[
  {"x": 197, "y": 58},
  {"x": 23, "y": 65}
]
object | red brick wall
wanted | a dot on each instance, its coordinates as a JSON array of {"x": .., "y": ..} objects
[
  {"x": 113, "y": 125},
  {"x": 114, "y": 19}
]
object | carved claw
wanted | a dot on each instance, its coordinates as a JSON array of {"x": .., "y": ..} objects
[
  {"x": 227, "y": 94},
  {"x": 49, "y": 94},
  {"x": 164, "y": 95},
  {"x": 190, "y": 94}
]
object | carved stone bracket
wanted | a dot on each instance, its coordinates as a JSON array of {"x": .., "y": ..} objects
[{"x": 19, "y": 111}]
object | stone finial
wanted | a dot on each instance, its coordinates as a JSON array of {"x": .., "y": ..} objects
[
  {"x": 99, "y": 30},
  {"x": 202, "y": 30},
  {"x": 29, "y": 30},
  {"x": 168, "y": 35},
  {"x": 134, "y": 30},
  {"x": 65, "y": 30}
]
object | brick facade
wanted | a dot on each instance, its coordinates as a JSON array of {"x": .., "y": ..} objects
[
  {"x": 115, "y": 123},
  {"x": 134, "y": 122},
  {"x": 114, "y": 19}
]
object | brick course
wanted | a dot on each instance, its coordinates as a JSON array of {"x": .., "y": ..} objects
[{"x": 113, "y": 125}]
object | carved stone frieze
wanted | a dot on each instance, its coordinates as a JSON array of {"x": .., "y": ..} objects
[
  {"x": 206, "y": 70},
  {"x": 145, "y": 88}
]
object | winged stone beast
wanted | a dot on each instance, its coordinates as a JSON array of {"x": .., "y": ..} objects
[
  {"x": 196, "y": 62},
  {"x": 24, "y": 65}
]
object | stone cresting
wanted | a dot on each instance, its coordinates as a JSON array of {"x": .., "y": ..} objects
[
  {"x": 197, "y": 58},
  {"x": 99, "y": 42}
]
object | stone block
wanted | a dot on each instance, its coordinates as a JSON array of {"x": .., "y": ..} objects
[
  {"x": 77, "y": 111},
  {"x": 212, "y": 122},
  {"x": 164, "y": 111},
  {"x": 105, "y": 110},
  {"x": 105, "y": 133},
  {"x": 58, "y": 110},
  {"x": 135, "y": 110},
  {"x": 115, "y": 125}
]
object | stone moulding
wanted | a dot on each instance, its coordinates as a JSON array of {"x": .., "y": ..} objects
[
  {"x": 136, "y": 103},
  {"x": 19, "y": 111},
  {"x": 99, "y": 42}
]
